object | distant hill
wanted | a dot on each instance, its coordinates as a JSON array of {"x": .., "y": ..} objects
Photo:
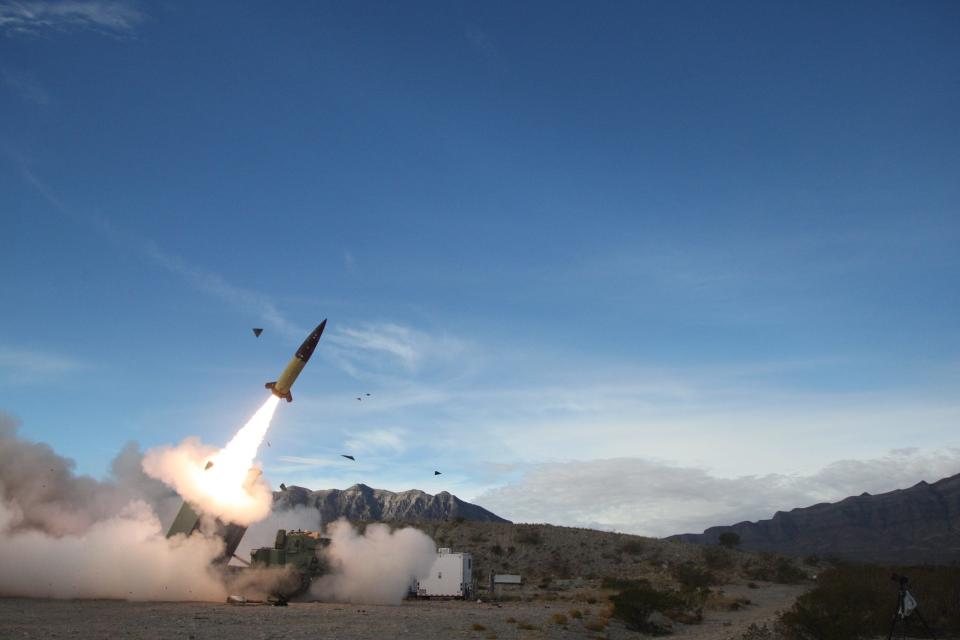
[
  {"x": 907, "y": 526},
  {"x": 361, "y": 502}
]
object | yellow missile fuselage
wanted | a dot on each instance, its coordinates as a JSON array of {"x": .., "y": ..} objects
[
  {"x": 281, "y": 387},
  {"x": 289, "y": 376}
]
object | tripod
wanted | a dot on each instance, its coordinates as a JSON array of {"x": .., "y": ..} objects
[{"x": 906, "y": 606}]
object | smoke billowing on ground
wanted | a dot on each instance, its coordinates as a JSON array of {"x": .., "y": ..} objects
[{"x": 69, "y": 536}]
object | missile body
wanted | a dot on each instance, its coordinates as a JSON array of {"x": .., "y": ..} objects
[{"x": 281, "y": 387}]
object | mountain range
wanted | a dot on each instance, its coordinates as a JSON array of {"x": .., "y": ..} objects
[
  {"x": 361, "y": 502},
  {"x": 917, "y": 525}
]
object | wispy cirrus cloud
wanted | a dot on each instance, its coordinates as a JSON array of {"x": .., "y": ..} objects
[
  {"x": 28, "y": 366},
  {"x": 33, "y": 17},
  {"x": 310, "y": 462},
  {"x": 246, "y": 300},
  {"x": 379, "y": 440},
  {"x": 376, "y": 347}
]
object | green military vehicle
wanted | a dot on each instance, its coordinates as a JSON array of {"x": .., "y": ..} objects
[{"x": 301, "y": 552}]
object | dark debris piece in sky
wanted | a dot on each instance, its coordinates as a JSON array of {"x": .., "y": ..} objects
[
  {"x": 283, "y": 487},
  {"x": 343, "y": 455},
  {"x": 209, "y": 464},
  {"x": 436, "y": 473},
  {"x": 257, "y": 331}
]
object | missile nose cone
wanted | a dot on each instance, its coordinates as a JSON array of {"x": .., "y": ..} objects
[{"x": 321, "y": 327}]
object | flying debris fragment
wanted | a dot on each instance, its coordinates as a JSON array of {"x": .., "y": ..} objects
[
  {"x": 283, "y": 487},
  {"x": 368, "y": 395},
  {"x": 359, "y": 398},
  {"x": 281, "y": 387},
  {"x": 343, "y": 455},
  {"x": 257, "y": 331},
  {"x": 436, "y": 473},
  {"x": 209, "y": 464}
]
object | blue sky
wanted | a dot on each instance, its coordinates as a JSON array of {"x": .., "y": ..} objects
[{"x": 647, "y": 246}]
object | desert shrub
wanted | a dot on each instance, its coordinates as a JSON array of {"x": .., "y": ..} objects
[
  {"x": 527, "y": 534},
  {"x": 611, "y": 582},
  {"x": 719, "y": 602},
  {"x": 811, "y": 560},
  {"x": 633, "y": 547},
  {"x": 496, "y": 549},
  {"x": 560, "y": 568},
  {"x": 773, "y": 569},
  {"x": 690, "y": 576},
  {"x": 576, "y": 614},
  {"x": 729, "y": 539},
  {"x": 559, "y": 618},
  {"x": 753, "y": 585},
  {"x": 511, "y": 549},
  {"x": 523, "y": 624},
  {"x": 476, "y": 626},
  {"x": 459, "y": 519},
  {"x": 596, "y": 624},
  {"x": 717, "y": 558},
  {"x": 755, "y": 632},
  {"x": 786, "y": 572},
  {"x": 634, "y": 606},
  {"x": 511, "y": 620},
  {"x": 857, "y": 601},
  {"x": 591, "y": 600}
]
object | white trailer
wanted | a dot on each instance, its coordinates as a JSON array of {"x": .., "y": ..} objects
[{"x": 451, "y": 576}]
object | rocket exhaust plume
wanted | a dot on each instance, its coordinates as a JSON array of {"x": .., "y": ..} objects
[{"x": 217, "y": 481}]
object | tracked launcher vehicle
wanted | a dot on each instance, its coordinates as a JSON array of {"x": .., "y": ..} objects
[{"x": 299, "y": 551}]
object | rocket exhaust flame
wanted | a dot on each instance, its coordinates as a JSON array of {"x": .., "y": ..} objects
[
  {"x": 226, "y": 477},
  {"x": 217, "y": 481}
]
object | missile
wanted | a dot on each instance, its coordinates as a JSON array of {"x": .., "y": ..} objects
[{"x": 281, "y": 386}]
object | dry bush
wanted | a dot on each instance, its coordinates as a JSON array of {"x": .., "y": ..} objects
[
  {"x": 511, "y": 620},
  {"x": 576, "y": 614},
  {"x": 718, "y": 558},
  {"x": 633, "y": 606},
  {"x": 633, "y": 547},
  {"x": 529, "y": 534},
  {"x": 857, "y": 601},
  {"x": 523, "y": 624},
  {"x": 620, "y": 584},
  {"x": 716, "y": 601},
  {"x": 476, "y": 626},
  {"x": 595, "y": 624},
  {"x": 773, "y": 569},
  {"x": 559, "y": 618},
  {"x": 690, "y": 576}
]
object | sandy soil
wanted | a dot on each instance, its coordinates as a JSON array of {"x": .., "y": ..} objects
[{"x": 25, "y": 618}]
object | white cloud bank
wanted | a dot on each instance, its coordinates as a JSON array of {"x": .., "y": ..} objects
[{"x": 657, "y": 498}]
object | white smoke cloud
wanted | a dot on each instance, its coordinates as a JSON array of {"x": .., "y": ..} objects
[
  {"x": 124, "y": 556},
  {"x": 376, "y": 567},
  {"x": 69, "y": 536}
]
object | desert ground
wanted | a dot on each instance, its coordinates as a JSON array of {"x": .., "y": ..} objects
[{"x": 46, "y": 619}]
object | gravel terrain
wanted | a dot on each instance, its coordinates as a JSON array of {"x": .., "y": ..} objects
[{"x": 46, "y": 619}]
